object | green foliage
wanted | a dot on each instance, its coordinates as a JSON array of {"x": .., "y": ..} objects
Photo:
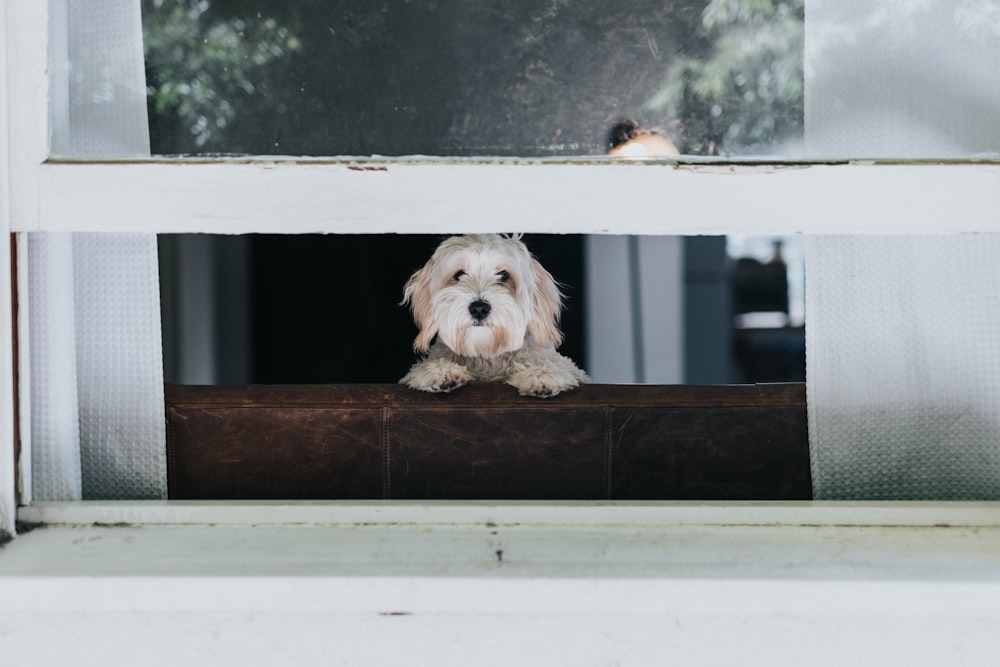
[
  {"x": 202, "y": 68},
  {"x": 745, "y": 95}
]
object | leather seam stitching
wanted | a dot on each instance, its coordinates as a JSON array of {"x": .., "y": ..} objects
[
  {"x": 608, "y": 453},
  {"x": 386, "y": 457}
]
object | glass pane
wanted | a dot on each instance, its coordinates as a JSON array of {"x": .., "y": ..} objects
[
  {"x": 457, "y": 78},
  {"x": 901, "y": 79}
]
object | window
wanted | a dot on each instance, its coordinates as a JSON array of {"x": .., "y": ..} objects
[
  {"x": 425, "y": 195},
  {"x": 755, "y": 574}
]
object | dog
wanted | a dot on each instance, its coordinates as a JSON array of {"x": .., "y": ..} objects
[{"x": 487, "y": 311}]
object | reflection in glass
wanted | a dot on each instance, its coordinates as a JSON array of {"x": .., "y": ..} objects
[
  {"x": 449, "y": 77},
  {"x": 767, "y": 283}
]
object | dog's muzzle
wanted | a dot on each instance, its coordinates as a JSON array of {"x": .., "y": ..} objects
[{"x": 479, "y": 310}]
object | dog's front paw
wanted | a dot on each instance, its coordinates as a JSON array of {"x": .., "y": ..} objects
[
  {"x": 542, "y": 384},
  {"x": 437, "y": 375}
]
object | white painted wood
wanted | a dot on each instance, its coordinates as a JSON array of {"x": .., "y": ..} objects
[
  {"x": 26, "y": 99},
  {"x": 7, "y": 415},
  {"x": 537, "y": 513},
  {"x": 23, "y": 147},
  {"x": 7, "y": 499},
  {"x": 578, "y": 638},
  {"x": 446, "y": 196},
  {"x": 546, "y": 595},
  {"x": 560, "y": 551}
]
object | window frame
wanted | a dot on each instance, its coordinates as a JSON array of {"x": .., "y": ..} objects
[
  {"x": 556, "y": 196},
  {"x": 683, "y": 196}
]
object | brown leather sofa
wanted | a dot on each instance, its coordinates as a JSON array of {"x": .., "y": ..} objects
[{"x": 621, "y": 442}]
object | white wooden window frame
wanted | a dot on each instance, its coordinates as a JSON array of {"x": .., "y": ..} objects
[
  {"x": 443, "y": 195},
  {"x": 419, "y": 195}
]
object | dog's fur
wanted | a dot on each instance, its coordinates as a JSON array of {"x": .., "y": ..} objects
[{"x": 487, "y": 311}]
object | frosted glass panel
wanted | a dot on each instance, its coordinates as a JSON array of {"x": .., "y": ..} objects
[
  {"x": 96, "y": 362},
  {"x": 903, "y": 79}
]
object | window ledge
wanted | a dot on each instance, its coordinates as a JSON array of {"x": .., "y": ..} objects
[
  {"x": 632, "y": 514},
  {"x": 510, "y": 583}
]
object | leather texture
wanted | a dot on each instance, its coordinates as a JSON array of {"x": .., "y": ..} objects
[{"x": 614, "y": 442}]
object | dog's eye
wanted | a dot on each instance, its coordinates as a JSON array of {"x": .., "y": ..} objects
[
  {"x": 458, "y": 275},
  {"x": 503, "y": 276}
]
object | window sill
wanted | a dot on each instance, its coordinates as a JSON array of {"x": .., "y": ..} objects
[
  {"x": 476, "y": 583},
  {"x": 594, "y": 514}
]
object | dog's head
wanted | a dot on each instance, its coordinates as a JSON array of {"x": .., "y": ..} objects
[{"x": 482, "y": 294}]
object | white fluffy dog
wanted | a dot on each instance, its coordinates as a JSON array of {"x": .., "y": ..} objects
[{"x": 492, "y": 313}]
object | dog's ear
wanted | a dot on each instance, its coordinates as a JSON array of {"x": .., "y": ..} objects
[
  {"x": 546, "y": 307},
  {"x": 417, "y": 294}
]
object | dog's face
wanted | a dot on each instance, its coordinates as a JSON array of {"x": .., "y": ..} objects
[{"x": 481, "y": 295}]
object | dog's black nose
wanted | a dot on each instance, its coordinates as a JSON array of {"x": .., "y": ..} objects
[{"x": 479, "y": 310}]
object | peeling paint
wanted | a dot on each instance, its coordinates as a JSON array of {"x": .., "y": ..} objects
[
  {"x": 377, "y": 163},
  {"x": 739, "y": 168}
]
